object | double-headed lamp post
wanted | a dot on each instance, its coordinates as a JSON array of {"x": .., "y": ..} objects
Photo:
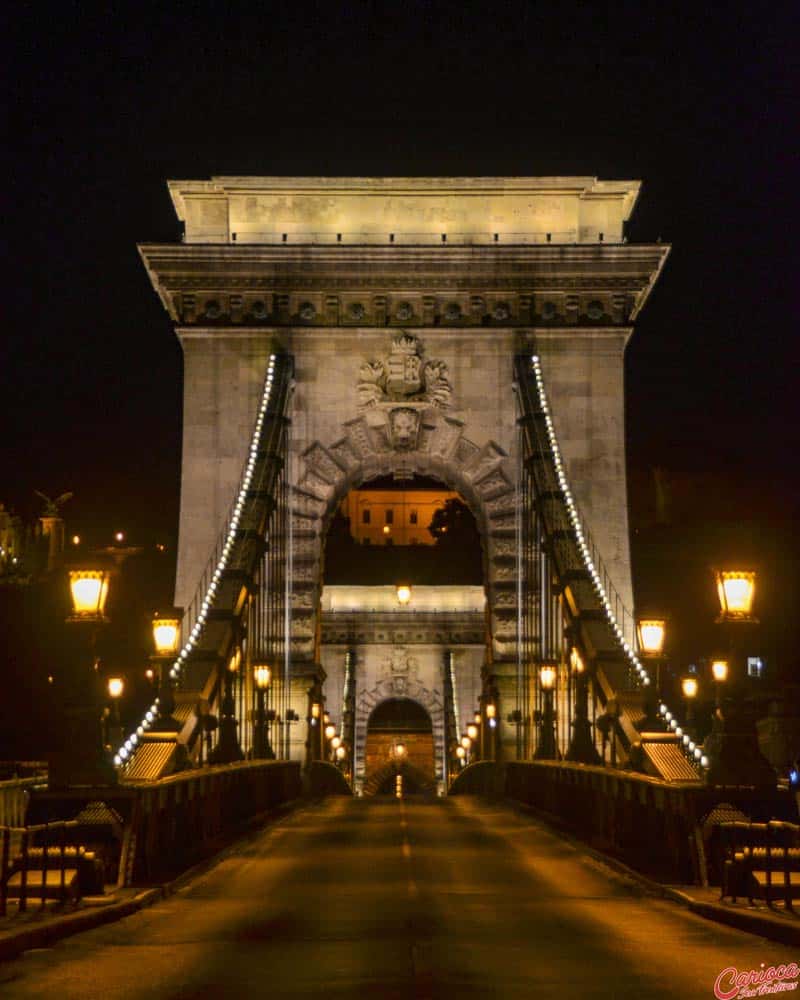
[
  {"x": 83, "y": 759},
  {"x": 166, "y": 639},
  {"x": 546, "y": 749}
]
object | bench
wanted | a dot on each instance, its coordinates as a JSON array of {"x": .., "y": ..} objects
[{"x": 761, "y": 860}]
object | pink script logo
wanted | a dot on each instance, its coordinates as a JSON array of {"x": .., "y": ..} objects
[{"x": 731, "y": 983}]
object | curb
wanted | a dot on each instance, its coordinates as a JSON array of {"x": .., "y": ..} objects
[
  {"x": 13, "y": 944},
  {"x": 763, "y": 926}
]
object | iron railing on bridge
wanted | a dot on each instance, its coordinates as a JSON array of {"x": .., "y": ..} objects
[
  {"x": 238, "y": 615},
  {"x": 568, "y": 592}
]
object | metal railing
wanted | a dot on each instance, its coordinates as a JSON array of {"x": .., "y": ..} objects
[
  {"x": 34, "y": 862},
  {"x": 14, "y": 795},
  {"x": 366, "y": 237}
]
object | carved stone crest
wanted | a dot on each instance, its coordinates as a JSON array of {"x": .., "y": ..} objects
[
  {"x": 404, "y": 376},
  {"x": 400, "y": 667}
]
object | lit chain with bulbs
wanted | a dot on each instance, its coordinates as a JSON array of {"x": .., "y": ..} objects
[
  {"x": 128, "y": 747},
  {"x": 577, "y": 526}
]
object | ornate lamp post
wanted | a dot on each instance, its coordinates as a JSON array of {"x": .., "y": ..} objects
[
  {"x": 166, "y": 639},
  {"x": 262, "y": 675},
  {"x": 689, "y": 689},
  {"x": 732, "y": 748},
  {"x": 581, "y": 747},
  {"x": 546, "y": 749},
  {"x": 227, "y": 749},
  {"x": 489, "y": 731},
  {"x": 83, "y": 759},
  {"x": 719, "y": 671},
  {"x": 115, "y": 687}
]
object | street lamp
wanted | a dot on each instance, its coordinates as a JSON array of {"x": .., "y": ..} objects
[
  {"x": 736, "y": 590},
  {"x": 719, "y": 671},
  {"x": 166, "y": 639},
  {"x": 262, "y": 675},
  {"x": 472, "y": 731},
  {"x": 115, "y": 686},
  {"x": 89, "y": 590},
  {"x": 83, "y": 759},
  {"x": 689, "y": 688},
  {"x": 330, "y": 731},
  {"x": 403, "y": 594},
  {"x": 732, "y": 747},
  {"x": 651, "y": 633},
  {"x": 581, "y": 747},
  {"x": 546, "y": 749},
  {"x": 228, "y": 749}
]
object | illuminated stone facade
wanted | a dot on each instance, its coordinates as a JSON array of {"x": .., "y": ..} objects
[{"x": 403, "y": 303}]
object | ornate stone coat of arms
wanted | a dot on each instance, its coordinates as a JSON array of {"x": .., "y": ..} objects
[{"x": 403, "y": 377}]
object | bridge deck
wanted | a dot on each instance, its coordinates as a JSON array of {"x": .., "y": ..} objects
[{"x": 398, "y": 899}]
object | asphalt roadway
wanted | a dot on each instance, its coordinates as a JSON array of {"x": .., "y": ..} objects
[{"x": 387, "y": 898}]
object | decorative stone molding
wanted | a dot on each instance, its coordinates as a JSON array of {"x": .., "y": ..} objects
[{"x": 401, "y": 441}]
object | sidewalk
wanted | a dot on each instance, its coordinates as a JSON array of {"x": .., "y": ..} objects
[{"x": 40, "y": 928}]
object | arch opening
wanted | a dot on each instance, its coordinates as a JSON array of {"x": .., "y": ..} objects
[{"x": 400, "y": 740}]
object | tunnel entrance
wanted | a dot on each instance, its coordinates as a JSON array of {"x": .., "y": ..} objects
[{"x": 399, "y": 739}]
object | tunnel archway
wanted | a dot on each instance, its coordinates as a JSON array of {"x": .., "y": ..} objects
[{"x": 394, "y": 723}]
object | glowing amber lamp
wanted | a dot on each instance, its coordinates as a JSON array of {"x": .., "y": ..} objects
[
  {"x": 736, "y": 590},
  {"x": 116, "y": 686},
  {"x": 466, "y": 742},
  {"x": 330, "y": 731},
  {"x": 576, "y": 661},
  {"x": 491, "y": 711},
  {"x": 461, "y": 753},
  {"x": 547, "y": 675},
  {"x": 89, "y": 590},
  {"x": 403, "y": 593},
  {"x": 400, "y": 750},
  {"x": 263, "y": 675},
  {"x": 472, "y": 731},
  {"x": 689, "y": 687},
  {"x": 719, "y": 668},
  {"x": 315, "y": 710},
  {"x": 336, "y": 742},
  {"x": 340, "y": 753},
  {"x": 166, "y": 634},
  {"x": 652, "y": 632}
]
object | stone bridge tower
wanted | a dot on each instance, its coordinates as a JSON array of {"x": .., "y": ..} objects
[{"x": 403, "y": 302}]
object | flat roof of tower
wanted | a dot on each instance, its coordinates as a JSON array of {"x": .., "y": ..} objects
[{"x": 266, "y": 209}]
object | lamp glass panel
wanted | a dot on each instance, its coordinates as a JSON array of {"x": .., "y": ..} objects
[
  {"x": 89, "y": 590},
  {"x": 166, "y": 633},
  {"x": 737, "y": 590},
  {"x": 651, "y": 636}
]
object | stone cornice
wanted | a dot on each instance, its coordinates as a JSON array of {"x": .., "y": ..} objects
[{"x": 474, "y": 274}]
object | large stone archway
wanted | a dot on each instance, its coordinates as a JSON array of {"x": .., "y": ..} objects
[{"x": 479, "y": 472}]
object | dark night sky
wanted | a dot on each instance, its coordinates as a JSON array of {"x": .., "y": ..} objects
[{"x": 106, "y": 106}]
